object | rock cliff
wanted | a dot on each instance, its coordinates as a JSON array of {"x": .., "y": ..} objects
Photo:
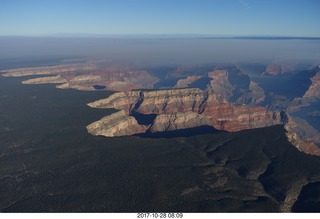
[
  {"x": 314, "y": 89},
  {"x": 86, "y": 76},
  {"x": 303, "y": 136},
  {"x": 82, "y": 82},
  {"x": 177, "y": 121},
  {"x": 47, "y": 70},
  {"x": 220, "y": 83},
  {"x": 229, "y": 117},
  {"x": 116, "y": 124},
  {"x": 278, "y": 69},
  {"x": 175, "y": 100},
  {"x": 235, "y": 86},
  {"x": 120, "y": 100},
  {"x": 177, "y": 109},
  {"x": 160, "y": 101},
  {"x": 256, "y": 95},
  {"x": 46, "y": 80}
]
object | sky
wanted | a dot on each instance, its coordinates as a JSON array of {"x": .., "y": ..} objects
[{"x": 213, "y": 17}]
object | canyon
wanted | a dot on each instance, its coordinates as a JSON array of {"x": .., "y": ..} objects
[{"x": 223, "y": 97}]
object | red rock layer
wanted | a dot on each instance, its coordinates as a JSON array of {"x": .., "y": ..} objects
[
  {"x": 233, "y": 118},
  {"x": 187, "y": 108}
]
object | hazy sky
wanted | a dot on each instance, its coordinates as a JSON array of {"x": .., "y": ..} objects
[{"x": 217, "y": 17}]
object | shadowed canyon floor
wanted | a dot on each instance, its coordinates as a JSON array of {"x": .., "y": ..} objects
[{"x": 49, "y": 163}]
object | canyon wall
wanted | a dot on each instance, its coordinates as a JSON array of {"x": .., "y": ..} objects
[
  {"x": 278, "y": 69},
  {"x": 116, "y": 124},
  {"x": 177, "y": 109},
  {"x": 227, "y": 100},
  {"x": 314, "y": 89},
  {"x": 47, "y": 70}
]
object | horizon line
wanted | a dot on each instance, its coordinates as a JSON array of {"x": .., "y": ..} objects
[{"x": 165, "y": 36}]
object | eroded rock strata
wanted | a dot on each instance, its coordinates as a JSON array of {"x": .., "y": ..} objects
[
  {"x": 116, "y": 124},
  {"x": 47, "y": 70},
  {"x": 296, "y": 128},
  {"x": 278, "y": 69},
  {"x": 177, "y": 109},
  {"x": 177, "y": 121},
  {"x": 227, "y": 98},
  {"x": 86, "y": 76},
  {"x": 235, "y": 86},
  {"x": 314, "y": 89},
  {"x": 46, "y": 80}
]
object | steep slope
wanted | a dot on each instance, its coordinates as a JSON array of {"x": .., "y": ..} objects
[
  {"x": 235, "y": 86},
  {"x": 314, "y": 89},
  {"x": 46, "y": 80},
  {"x": 177, "y": 109},
  {"x": 116, "y": 124}
]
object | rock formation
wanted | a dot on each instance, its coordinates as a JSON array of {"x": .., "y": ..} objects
[
  {"x": 302, "y": 135},
  {"x": 183, "y": 83},
  {"x": 227, "y": 100},
  {"x": 220, "y": 83},
  {"x": 184, "y": 108},
  {"x": 278, "y": 69},
  {"x": 255, "y": 96},
  {"x": 229, "y": 117},
  {"x": 177, "y": 121},
  {"x": 116, "y": 124},
  {"x": 120, "y": 100},
  {"x": 85, "y": 76},
  {"x": 159, "y": 101},
  {"x": 82, "y": 82},
  {"x": 234, "y": 86},
  {"x": 53, "y": 70},
  {"x": 314, "y": 89},
  {"x": 46, "y": 80}
]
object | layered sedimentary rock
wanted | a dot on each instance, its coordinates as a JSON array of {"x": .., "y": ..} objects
[
  {"x": 314, "y": 89},
  {"x": 82, "y": 82},
  {"x": 88, "y": 75},
  {"x": 116, "y": 124},
  {"x": 175, "y": 100},
  {"x": 115, "y": 81},
  {"x": 220, "y": 83},
  {"x": 186, "y": 108},
  {"x": 57, "y": 69},
  {"x": 229, "y": 117},
  {"x": 303, "y": 136},
  {"x": 178, "y": 120},
  {"x": 159, "y": 101},
  {"x": 46, "y": 80},
  {"x": 120, "y": 100},
  {"x": 234, "y": 86}
]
